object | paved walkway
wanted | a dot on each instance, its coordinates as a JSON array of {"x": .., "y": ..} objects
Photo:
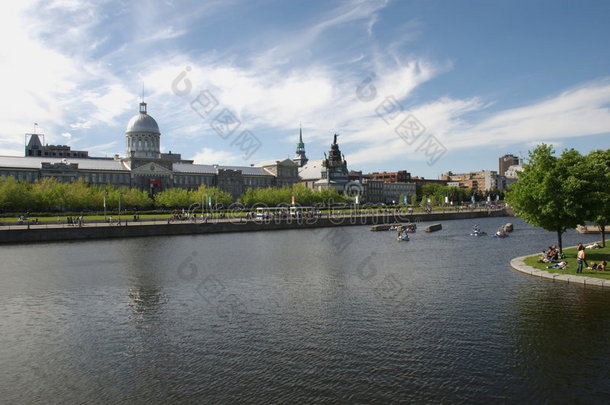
[
  {"x": 389, "y": 215},
  {"x": 519, "y": 265}
]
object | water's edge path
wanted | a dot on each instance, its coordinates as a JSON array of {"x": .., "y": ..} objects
[
  {"x": 61, "y": 233},
  {"x": 518, "y": 264}
]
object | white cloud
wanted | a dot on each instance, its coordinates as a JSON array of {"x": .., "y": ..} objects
[
  {"x": 210, "y": 156},
  {"x": 580, "y": 111}
]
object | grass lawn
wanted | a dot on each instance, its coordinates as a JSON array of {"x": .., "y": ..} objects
[{"x": 592, "y": 256}]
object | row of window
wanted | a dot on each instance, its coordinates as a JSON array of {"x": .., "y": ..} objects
[
  {"x": 142, "y": 142},
  {"x": 123, "y": 178},
  {"x": 21, "y": 176},
  {"x": 103, "y": 178},
  {"x": 188, "y": 180},
  {"x": 257, "y": 181}
]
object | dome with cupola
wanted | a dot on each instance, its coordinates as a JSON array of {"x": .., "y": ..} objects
[
  {"x": 142, "y": 136},
  {"x": 142, "y": 122}
]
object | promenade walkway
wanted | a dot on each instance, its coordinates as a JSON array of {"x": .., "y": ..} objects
[{"x": 390, "y": 215}]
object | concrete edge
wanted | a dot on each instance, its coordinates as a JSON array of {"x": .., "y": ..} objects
[{"x": 518, "y": 263}]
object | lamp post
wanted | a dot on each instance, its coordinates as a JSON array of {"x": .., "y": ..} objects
[{"x": 105, "y": 192}]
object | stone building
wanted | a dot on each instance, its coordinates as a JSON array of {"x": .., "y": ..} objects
[
  {"x": 144, "y": 166},
  {"x": 35, "y": 147}
]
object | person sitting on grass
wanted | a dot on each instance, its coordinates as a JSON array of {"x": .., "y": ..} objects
[
  {"x": 560, "y": 265},
  {"x": 593, "y": 246},
  {"x": 599, "y": 267}
]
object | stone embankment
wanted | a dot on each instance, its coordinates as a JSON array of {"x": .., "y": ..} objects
[
  {"x": 518, "y": 264},
  {"x": 51, "y": 233}
]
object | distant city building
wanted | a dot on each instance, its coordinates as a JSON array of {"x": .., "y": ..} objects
[
  {"x": 35, "y": 147},
  {"x": 334, "y": 172},
  {"x": 404, "y": 177},
  {"x": 505, "y": 162},
  {"x": 482, "y": 181},
  {"x": 311, "y": 173},
  {"x": 143, "y": 166},
  {"x": 400, "y": 176},
  {"x": 395, "y": 192},
  {"x": 389, "y": 187},
  {"x": 511, "y": 172},
  {"x": 286, "y": 172},
  {"x": 373, "y": 190}
]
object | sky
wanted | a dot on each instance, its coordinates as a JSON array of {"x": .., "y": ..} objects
[{"x": 419, "y": 85}]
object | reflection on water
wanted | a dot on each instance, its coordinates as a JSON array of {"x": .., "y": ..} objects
[{"x": 336, "y": 315}]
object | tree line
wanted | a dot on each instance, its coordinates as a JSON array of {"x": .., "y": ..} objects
[
  {"x": 558, "y": 193},
  {"x": 437, "y": 193},
  {"x": 50, "y": 195}
]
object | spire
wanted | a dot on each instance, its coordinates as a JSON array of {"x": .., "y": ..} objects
[
  {"x": 300, "y": 134},
  {"x": 142, "y": 103},
  {"x": 300, "y": 157}
]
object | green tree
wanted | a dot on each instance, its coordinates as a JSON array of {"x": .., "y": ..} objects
[
  {"x": 15, "y": 195},
  {"x": 596, "y": 195},
  {"x": 547, "y": 191},
  {"x": 48, "y": 194},
  {"x": 173, "y": 197}
]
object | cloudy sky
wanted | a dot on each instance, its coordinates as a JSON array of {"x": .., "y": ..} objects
[{"x": 425, "y": 86}]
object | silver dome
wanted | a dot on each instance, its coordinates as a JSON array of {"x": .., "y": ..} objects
[{"x": 142, "y": 123}]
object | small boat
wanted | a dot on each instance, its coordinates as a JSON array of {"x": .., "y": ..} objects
[
  {"x": 500, "y": 234},
  {"x": 478, "y": 233},
  {"x": 433, "y": 228},
  {"x": 403, "y": 238}
]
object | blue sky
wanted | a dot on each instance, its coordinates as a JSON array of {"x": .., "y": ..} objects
[{"x": 425, "y": 86}]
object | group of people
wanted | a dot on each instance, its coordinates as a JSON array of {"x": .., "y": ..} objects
[
  {"x": 554, "y": 257},
  {"x": 580, "y": 258},
  {"x": 551, "y": 255},
  {"x": 75, "y": 221}
]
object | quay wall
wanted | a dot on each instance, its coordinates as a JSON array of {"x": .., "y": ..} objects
[{"x": 52, "y": 234}]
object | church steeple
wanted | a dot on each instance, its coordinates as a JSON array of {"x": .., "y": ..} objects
[{"x": 300, "y": 157}]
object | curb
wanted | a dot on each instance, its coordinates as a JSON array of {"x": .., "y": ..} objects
[{"x": 518, "y": 264}]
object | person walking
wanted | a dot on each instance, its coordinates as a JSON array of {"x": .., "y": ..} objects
[{"x": 580, "y": 258}]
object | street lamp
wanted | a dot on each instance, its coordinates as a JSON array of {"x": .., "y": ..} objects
[{"x": 105, "y": 194}]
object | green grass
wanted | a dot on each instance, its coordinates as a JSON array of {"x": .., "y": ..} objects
[{"x": 592, "y": 256}]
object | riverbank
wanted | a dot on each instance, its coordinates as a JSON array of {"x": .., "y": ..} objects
[
  {"x": 529, "y": 265},
  {"x": 50, "y": 233}
]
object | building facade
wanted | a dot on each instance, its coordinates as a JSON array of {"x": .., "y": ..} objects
[
  {"x": 144, "y": 166},
  {"x": 505, "y": 162},
  {"x": 482, "y": 181}
]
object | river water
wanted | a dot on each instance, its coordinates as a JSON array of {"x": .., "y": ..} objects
[{"x": 326, "y": 316}]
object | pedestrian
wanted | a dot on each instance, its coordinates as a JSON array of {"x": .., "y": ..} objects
[{"x": 580, "y": 258}]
